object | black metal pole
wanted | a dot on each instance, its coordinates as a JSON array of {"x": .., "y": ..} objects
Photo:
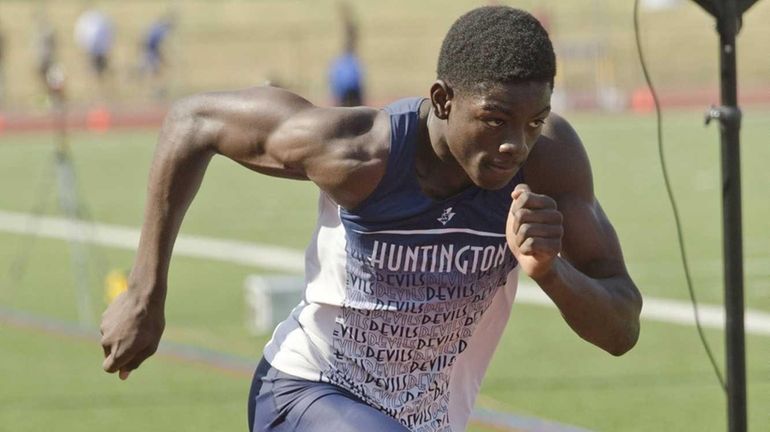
[
  {"x": 730, "y": 124},
  {"x": 728, "y": 14}
]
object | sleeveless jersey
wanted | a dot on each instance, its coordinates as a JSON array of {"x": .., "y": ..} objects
[{"x": 406, "y": 296}]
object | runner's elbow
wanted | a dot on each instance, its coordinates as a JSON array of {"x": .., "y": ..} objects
[
  {"x": 628, "y": 333},
  {"x": 187, "y": 126},
  {"x": 626, "y": 341}
]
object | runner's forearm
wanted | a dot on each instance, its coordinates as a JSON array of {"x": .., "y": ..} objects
[
  {"x": 604, "y": 312},
  {"x": 178, "y": 166}
]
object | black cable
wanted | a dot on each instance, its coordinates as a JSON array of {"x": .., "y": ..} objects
[{"x": 674, "y": 209}]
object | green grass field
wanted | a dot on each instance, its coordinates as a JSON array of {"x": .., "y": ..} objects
[{"x": 541, "y": 369}]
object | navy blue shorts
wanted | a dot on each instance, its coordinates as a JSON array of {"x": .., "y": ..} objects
[{"x": 282, "y": 403}]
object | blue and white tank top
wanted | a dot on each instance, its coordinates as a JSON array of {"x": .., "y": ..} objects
[{"x": 406, "y": 296}]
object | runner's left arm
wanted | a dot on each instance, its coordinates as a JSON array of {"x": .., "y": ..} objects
[{"x": 565, "y": 242}]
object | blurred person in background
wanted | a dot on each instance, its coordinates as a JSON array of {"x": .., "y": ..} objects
[
  {"x": 429, "y": 210},
  {"x": 2, "y": 66},
  {"x": 153, "y": 57},
  {"x": 94, "y": 34},
  {"x": 46, "y": 62},
  {"x": 345, "y": 71}
]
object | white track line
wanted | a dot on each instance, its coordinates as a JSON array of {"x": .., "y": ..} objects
[
  {"x": 122, "y": 237},
  {"x": 668, "y": 311},
  {"x": 278, "y": 258}
]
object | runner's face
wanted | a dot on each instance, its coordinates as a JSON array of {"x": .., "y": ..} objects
[{"x": 490, "y": 132}]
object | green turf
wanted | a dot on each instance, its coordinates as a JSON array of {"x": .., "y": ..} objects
[
  {"x": 541, "y": 369},
  {"x": 54, "y": 383},
  {"x": 663, "y": 384},
  {"x": 112, "y": 176}
]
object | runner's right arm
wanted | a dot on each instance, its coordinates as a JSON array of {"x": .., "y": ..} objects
[{"x": 268, "y": 130}]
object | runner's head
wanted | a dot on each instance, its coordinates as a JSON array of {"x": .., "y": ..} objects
[
  {"x": 495, "y": 73},
  {"x": 495, "y": 45}
]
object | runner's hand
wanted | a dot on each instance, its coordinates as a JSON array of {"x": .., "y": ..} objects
[
  {"x": 131, "y": 331},
  {"x": 534, "y": 231}
]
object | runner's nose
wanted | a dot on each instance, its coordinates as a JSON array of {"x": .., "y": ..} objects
[
  {"x": 513, "y": 148},
  {"x": 514, "y": 143}
]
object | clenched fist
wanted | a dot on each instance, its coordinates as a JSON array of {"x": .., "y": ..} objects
[
  {"x": 534, "y": 231},
  {"x": 131, "y": 331}
]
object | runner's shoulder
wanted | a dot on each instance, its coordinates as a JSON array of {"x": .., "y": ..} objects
[{"x": 558, "y": 162}]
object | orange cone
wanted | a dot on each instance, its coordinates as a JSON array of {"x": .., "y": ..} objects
[
  {"x": 98, "y": 119},
  {"x": 642, "y": 101}
]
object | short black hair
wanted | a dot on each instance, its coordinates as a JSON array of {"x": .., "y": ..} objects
[{"x": 496, "y": 44}]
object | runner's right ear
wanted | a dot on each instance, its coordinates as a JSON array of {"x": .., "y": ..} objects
[{"x": 441, "y": 98}]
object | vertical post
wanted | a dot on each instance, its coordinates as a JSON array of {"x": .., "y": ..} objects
[
  {"x": 70, "y": 205},
  {"x": 68, "y": 202},
  {"x": 730, "y": 123}
]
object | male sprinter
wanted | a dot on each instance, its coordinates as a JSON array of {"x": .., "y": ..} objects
[{"x": 428, "y": 210}]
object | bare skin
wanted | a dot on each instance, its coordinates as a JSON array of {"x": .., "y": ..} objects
[{"x": 556, "y": 228}]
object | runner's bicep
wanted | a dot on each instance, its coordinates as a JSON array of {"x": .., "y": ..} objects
[{"x": 590, "y": 242}]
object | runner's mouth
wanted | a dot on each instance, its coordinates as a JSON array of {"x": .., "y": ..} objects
[{"x": 506, "y": 167}]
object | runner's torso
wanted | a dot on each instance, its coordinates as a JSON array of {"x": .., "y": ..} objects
[{"x": 406, "y": 296}]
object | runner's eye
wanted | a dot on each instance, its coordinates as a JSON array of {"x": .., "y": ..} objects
[
  {"x": 536, "y": 123},
  {"x": 494, "y": 122}
]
